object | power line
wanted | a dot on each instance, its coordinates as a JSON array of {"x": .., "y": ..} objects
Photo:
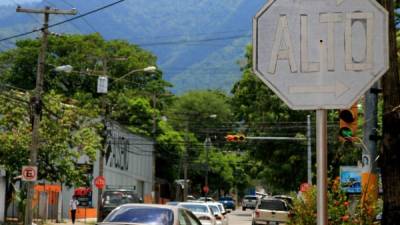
[
  {"x": 62, "y": 22},
  {"x": 186, "y": 41},
  {"x": 83, "y": 18}
]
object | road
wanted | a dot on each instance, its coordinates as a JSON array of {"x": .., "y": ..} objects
[{"x": 239, "y": 217}]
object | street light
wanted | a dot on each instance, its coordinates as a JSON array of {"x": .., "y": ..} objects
[
  {"x": 102, "y": 81},
  {"x": 148, "y": 69}
]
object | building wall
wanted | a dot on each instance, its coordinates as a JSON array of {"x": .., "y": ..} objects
[{"x": 128, "y": 163}]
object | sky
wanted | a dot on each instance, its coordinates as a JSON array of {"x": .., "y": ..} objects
[{"x": 12, "y": 2}]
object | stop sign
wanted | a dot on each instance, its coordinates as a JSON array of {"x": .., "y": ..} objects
[
  {"x": 205, "y": 189},
  {"x": 100, "y": 182},
  {"x": 320, "y": 54}
]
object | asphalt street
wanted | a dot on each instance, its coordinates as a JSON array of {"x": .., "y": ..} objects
[{"x": 239, "y": 217}]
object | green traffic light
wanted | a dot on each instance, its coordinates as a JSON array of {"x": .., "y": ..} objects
[{"x": 346, "y": 132}]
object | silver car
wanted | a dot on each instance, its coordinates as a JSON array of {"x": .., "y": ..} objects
[
  {"x": 201, "y": 210},
  {"x": 220, "y": 216}
]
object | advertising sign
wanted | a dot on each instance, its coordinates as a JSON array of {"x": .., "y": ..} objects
[{"x": 350, "y": 179}]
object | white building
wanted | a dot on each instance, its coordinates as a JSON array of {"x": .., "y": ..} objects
[{"x": 128, "y": 163}]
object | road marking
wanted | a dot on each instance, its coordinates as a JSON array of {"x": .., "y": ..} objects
[{"x": 338, "y": 89}]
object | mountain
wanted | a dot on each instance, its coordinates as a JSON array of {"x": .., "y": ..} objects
[{"x": 198, "y": 42}]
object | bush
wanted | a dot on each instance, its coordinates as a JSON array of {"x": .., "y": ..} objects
[{"x": 340, "y": 211}]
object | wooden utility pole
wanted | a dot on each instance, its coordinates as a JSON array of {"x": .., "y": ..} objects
[{"x": 36, "y": 100}]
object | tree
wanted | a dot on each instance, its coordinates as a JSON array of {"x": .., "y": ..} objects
[
  {"x": 202, "y": 112},
  {"x": 59, "y": 149},
  {"x": 94, "y": 56},
  {"x": 263, "y": 114},
  {"x": 207, "y": 113},
  {"x": 391, "y": 122}
]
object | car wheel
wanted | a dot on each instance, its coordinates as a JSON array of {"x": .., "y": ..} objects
[{"x": 244, "y": 208}]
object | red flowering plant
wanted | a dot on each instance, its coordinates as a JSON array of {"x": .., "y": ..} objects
[{"x": 340, "y": 211}]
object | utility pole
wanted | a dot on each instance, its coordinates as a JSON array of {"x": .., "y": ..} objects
[
  {"x": 36, "y": 100},
  {"x": 105, "y": 145},
  {"x": 185, "y": 164},
  {"x": 309, "y": 153},
  {"x": 369, "y": 176},
  {"x": 207, "y": 146}
]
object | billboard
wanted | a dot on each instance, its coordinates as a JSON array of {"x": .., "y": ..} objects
[{"x": 350, "y": 179}]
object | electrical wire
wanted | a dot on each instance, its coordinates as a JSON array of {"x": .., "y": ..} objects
[
  {"x": 186, "y": 41},
  {"x": 64, "y": 21}
]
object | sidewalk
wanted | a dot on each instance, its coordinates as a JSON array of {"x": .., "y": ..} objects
[{"x": 89, "y": 221}]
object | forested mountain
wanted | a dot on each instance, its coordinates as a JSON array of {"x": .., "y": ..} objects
[{"x": 198, "y": 42}]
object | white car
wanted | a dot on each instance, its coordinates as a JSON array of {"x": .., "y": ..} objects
[
  {"x": 201, "y": 210},
  {"x": 249, "y": 202},
  {"x": 220, "y": 216}
]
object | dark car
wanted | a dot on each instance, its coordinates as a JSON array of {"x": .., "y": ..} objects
[
  {"x": 112, "y": 198},
  {"x": 228, "y": 202}
]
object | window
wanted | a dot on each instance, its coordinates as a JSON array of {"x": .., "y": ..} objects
[
  {"x": 273, "y": 205},
  {"x": 131, "y": 214}
]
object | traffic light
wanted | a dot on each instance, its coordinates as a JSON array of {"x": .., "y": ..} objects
[
  {"x": 235, "y": 138},
  {"x": 348, "y": 124}
]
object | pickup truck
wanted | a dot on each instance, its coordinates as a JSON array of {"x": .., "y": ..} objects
[
  {"x": 271, "y": 211},
  {"x": 249, "y": 202}
]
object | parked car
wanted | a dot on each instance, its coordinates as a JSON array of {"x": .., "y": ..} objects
[
  {"x": 228, "y": 202},
  {"x": 201, "y": 210},
  {"x": 249, "y": 202},
  {"x": 220, "y": 216},
  {"x": 150, "y": 214},
  {"x": 287, "y": 199},
  {"x": 112, "y": 198},
  {"x": 206, "y": 199},
  {"x": 172, "y": 203},
  {"x": 271, "y": 211}
]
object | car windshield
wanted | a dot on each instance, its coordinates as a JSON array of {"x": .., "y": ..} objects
[
  {"x": 251, "y": 197},
  {"x": 196, "y": 208},
  {"x": 226, "y": 199},
  {"x": 215, "y": 209},
  {"x": 145, "y": 215},
  {"x": 221, "y": 208},
  {"x": 272, "y": 205},
  {"x": 116, "y": 198}
]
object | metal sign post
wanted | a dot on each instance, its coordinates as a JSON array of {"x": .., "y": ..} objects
[{"x": 322, "y": 167}]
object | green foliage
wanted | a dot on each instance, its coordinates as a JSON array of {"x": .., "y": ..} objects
[
  {"x": 200, "y": 112},
  {"x": 88, "y": 54},
  {"x": 170, "y": 149},
  {"x": 341, "y": 209},
  {"x": 59, "y": 148},
  {"x": 259, "y": 109}
]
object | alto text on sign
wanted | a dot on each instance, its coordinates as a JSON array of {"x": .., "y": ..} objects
[{"x": 320, "y": 54}]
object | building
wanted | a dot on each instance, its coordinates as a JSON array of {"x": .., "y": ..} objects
[{"x": 128, "y": 162}]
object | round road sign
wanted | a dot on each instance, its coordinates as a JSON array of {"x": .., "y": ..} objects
[{"x": 100, "y": 182}]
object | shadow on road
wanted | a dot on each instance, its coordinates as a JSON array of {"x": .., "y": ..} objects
[{"x": 243, "y": 214}]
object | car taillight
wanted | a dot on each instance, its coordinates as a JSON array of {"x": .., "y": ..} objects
[
  {"x": 204, "y": 218},
  {"x": 291, "y": 215},
  {"x": 218, "y": 217},
  {"x": 257, "y": 213}
]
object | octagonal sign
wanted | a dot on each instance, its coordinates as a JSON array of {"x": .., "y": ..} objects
[{"x": 320, "y": 54}]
